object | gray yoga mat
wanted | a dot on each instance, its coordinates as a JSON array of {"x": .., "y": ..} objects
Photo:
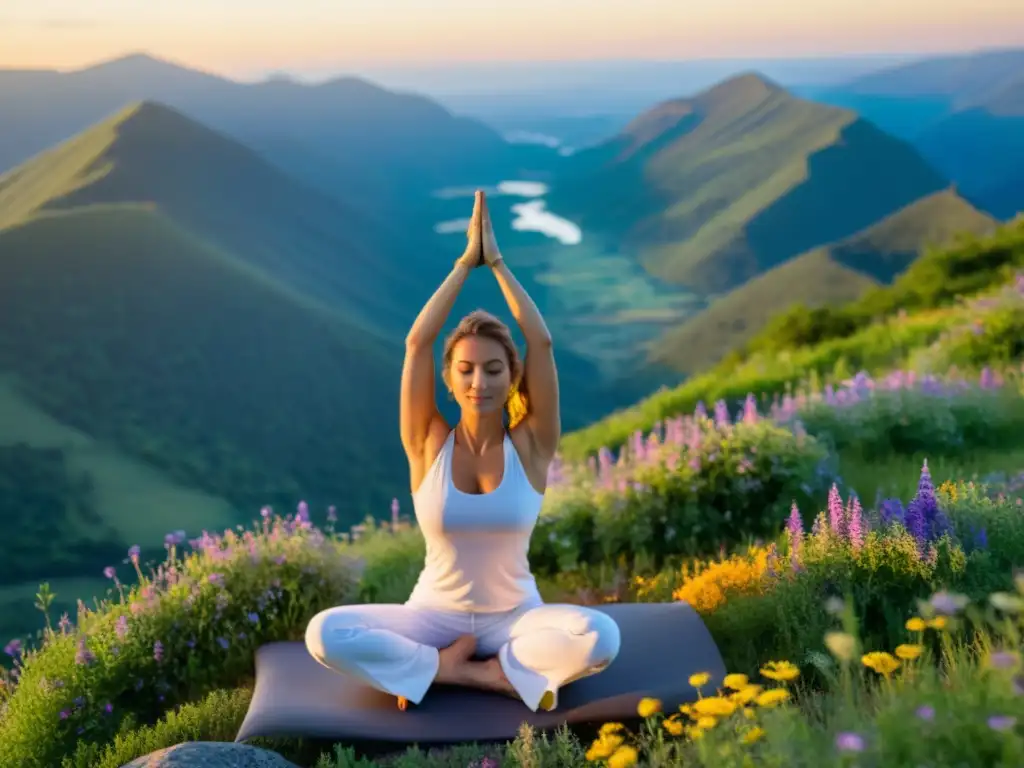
[{"x": 662, "y": 645}]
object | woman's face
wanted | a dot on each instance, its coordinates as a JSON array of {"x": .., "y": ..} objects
[{"x": 479, "y": 374}]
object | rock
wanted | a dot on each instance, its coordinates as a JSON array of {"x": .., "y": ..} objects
[{"x": 211, "y": 754}]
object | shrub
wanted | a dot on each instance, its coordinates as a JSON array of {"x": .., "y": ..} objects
[
  {"x": 908, "y": 414},
  {"x": 189, "y": 627},
  {"x": 702, "y": 484}
]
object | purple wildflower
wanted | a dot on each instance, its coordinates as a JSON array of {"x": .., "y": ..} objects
[
  {"x": 835, "y": 511},
  {"x": 1001, "y": 722},
  {"x": 13, "y": 648},
  {"x": 721, "y": 414},
  {"x": 926, "y": 712},
  {"x": 265, "y": 512},
  {"x": 108, "y": 708},
  {"x": 121, "y": 627},
  {"x": 109, "y": 572},
  {"x": 847, "y": 741},
  {"x": 133, "y": 553},
  {"x": 750, "y": 415},
  {"x": 394, "y": 513},
  {"x": 158, "y": 651},
  {"x": 223, "y": 643},
  {"x": 332, "y": 514},
  {"x": 254, "y": 618},
  {"x": 891, "y": 511},
  {"x": 84, "y": 657},
  {"x": 855, "y": 527},
  {"x": 700, "y": 412}
]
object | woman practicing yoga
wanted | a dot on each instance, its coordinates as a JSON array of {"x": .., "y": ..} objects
[{"x": 475, "y": 617}]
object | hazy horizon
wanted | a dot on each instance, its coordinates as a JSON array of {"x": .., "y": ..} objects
[{"x": 317, "y": 38}]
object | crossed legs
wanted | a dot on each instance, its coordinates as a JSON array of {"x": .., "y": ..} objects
[{"x": 403, "y": 650}]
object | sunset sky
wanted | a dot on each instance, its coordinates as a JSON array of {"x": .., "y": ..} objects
[{"x": 244, "y": 37}]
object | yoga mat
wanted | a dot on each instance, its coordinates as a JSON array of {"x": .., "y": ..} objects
[{"x": 662, "y": 645}]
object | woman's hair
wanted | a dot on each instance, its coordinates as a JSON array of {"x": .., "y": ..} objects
[{"x": 486, "y": 325}]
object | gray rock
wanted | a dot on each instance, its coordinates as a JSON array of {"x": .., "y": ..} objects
[{"x": 211, "y": 754}]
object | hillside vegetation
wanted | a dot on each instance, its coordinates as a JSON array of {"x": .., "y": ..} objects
[
  {"x": 874, "y": 333},
  {"x": 827, "y": 276},
  {"x": 739, "y": 179}
]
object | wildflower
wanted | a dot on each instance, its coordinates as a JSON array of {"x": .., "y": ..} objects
[
  {"x": 717, "y": 706},
  {"x": 849, "y": 742},
  {"x": 13, "y": 648},
  {"x": 754, "y": 734},
  {"x": 855, "y": 525},
  {"x": 158, "y": 651},
  {"x": 609, "y": 728},
  {"x": 947, "y": 603},
  {"x": 706, "y": 722},
  {"x": 700, "y": 679},
  {"x": 603, "y": 746},
  {"x": 939, "y": 622},
  {"x": 109, "y": 572},
  {"x": 83, "y": 656},
  {"x": 780, "y": 671},
  {"x": 909, "y": 652},
  {"x": 1004, "y": 660},
  {"x": 915, "y": 624},
  {"x": 735, "y": 681},
  {"x": 673, "y": 726},
  {"x": 133, "y": 553},
  {"x": 881, "y": 662},
  {"x": 1005, "y": 602},
  {"x": 891, "y": 511},
  {"x": 1001, "y": 722},
  {"x": 121, "y": 626},
  {"x": 648, "y": 707},
  {"x": 747, "y": 694},
  {"x": 842, "y": 645},
  {"x": 772, "y": 697},
  {"x": 925, "y": 712},
  {"x": 623, "y": 757},
  {"x": 835, "y": 511}
]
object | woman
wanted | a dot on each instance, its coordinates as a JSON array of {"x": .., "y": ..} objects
[{"x": 475, "y": 617}]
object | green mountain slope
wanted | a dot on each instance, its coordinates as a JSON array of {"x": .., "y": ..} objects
[
  {"x": 836, "y": 273},
  {"x": 224, "y": 192},
  {"x": 876, "y": 332},
  {"x": 726, "y": 185},
  {"x": 123, "y": 326}
]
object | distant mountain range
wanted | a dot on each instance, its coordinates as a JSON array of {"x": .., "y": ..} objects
[
  {"x": 965, "y": 114},
  {"x": 207, "y": 283}
]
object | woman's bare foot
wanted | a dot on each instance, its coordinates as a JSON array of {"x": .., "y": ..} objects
[
  {"x": 454, "y": 661},
  {"x": 490, "y": 676}
]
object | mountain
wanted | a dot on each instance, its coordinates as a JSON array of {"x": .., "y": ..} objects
[
  {"x": 908, "y": 98},
  {"x": 743, "y": 177},
  {"x": 980, "y": 146},
  {"x": 223, "y": 192},
  {"x": 831, "y": 274},
  {"x": 358, "y": 137}
]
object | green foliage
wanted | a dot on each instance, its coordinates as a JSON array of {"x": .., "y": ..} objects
[
  {"x": 729, "y": 484},
  {"x": 938, "y": 421},
  {"x": 189, "y": 628}
]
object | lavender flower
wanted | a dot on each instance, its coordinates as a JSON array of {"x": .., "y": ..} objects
[
  {"x": 926, "y": 712},
  {"x": 855, "y": 528},
  {"x": 1001, "y": 722},
  {"x": 891, "y": 511},
  {"x": 109, "y": 572},
  {"x": 158, "y": 651},
  {"x": 84, "y": 657},
  {"x": 835, "y": 511},
  {"x": 847, "y": 741}
]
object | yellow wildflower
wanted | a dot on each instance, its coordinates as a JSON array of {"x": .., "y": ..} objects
[
  {"x": 673, "y": 726},
  {"x": 700, "y": 679},
  {"x": 780, "y": 671},
  {"x": 707, "y": 722},
  {"x": 686, "y": 709},
  {"x": 939, "y": 622},
  {"x": 708, "y": 584},
  {"x": 749, "y": 713},
  {"x": 915, "y": 624},
  {"x": 609, "y": 728},
  {"x": 747, "y": 695},
  {"x": 908, "y": 652},
  {"x": 624, "y": 757},
  {"x": 694, "y": 733},
  {"x": 604, "y": 746},
  {"x": 754, "y": 734},
  {"x": 772, "y": 697},
  {"x": 648, "y": 707},
  {"x": 718, "y": 706},
  {"x": 881, "y": 662},
  {"x": 842, "y": 645},
  {"x": 736, "y": 682}
]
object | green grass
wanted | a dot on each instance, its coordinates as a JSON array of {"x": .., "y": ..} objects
[{"x": 828, "y": 276}]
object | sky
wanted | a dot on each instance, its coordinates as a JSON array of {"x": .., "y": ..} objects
[{"x": 242, "y": 37}]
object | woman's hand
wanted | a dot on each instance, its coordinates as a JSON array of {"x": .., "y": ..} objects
[
  {"x": 489, "y": 243},
  {"x": 473, "y": 256}
]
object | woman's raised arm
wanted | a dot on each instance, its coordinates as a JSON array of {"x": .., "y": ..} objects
[
  {"x": 540, "y": 376},
  {"x": 418, "y": 407}
]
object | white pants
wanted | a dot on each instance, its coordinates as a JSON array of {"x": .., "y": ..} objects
[{"x": 394, "y": 647}]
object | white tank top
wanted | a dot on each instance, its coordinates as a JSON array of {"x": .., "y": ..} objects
[{"x": 477, "y": 544}]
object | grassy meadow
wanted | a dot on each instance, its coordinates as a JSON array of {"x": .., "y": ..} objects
[{"x": 845, "y": 515}]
